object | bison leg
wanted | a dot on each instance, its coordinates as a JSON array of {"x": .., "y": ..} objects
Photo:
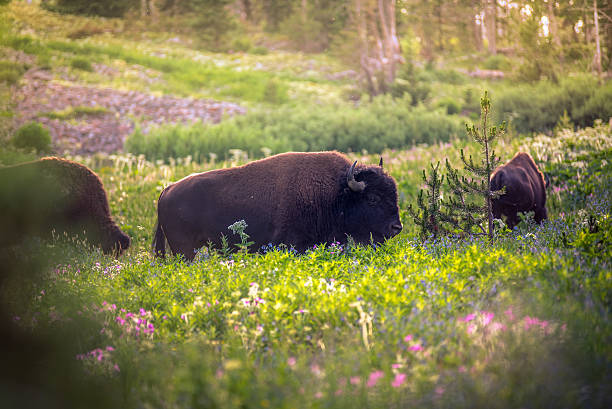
[{"x": 540, "y": 214}]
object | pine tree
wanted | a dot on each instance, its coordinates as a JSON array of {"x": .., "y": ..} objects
[
  {"x": 428, "y": 214},
  {"x": 462, "y": 211}
]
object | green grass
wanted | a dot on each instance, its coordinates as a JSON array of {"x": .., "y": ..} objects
[
  {"x": 521, "y": 321},
  {"x": 74, "y": 112}
]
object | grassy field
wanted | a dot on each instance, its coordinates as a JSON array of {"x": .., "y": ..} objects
[{"x": 522, "y": 321}]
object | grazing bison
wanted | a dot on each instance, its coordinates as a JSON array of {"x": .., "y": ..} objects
[
  {"x": 296, "y": 199},
  {"x": 56, "y": 194},
  {"x": 525, "y": 189}
]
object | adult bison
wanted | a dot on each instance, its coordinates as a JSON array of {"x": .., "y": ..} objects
[
  {"x": 525, "y": 189},
  {"x": 56, "y": 194},
  {"x": 297, "y": 199}
]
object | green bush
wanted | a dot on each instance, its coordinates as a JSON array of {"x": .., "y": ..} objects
[
  {"x": 373, "y": 127},
  {"x": 81, "y": 64},
  {"x": 538, "y": 107},
  {"x": 10, "y": 72},
  {"x": 497, "y": 62},
  {"x": 32, "y": 136},
  {"x": 450, "y": 105},
  {"x": 103, "y": 8}
]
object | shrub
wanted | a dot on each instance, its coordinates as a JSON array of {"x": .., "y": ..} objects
[
  {"x": 81, "y": 64},
  {"x": 373, "y": 127},
  {"x": 537, "y": 107},
  {"x": 10, "y": 72},
  {"x": 32, "y": 136},
  {"x": 103, "y": 8},
  {"x": 497, "y": 62},
  {"x": 450, "y": 105}
]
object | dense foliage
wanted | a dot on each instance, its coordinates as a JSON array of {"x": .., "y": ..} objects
[
  {"x": 104, "y": 8},
  {"x": 382, "y": 124}
]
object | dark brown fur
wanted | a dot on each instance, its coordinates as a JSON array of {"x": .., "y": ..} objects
[
  {"x": 56, "y": 194},
  {"x": 297, "y": 199},
  {"x": 525, "y": 189}
]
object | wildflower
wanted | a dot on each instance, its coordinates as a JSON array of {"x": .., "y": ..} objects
[
  {"x": 416, "y": 347},
  {"x": 374, "y": 377},
  {"x": 462, "y": 369},
  {"x": 318, "y": 395},
  {"x": 468, "y": 318},
  {"x": 408, "y": 338},
  {"x": 116, "y": 368},
  {"x": 399, "y": 380},
  {"x": 142, "y": 312},
  {"x": 439, "y": 390},
  {"x": 110, "y": 348},
  {"x": 396, "y": 366},
  {"x": 471, "y": 329},
  {"x": 487, "y": 317},
  {"x": 291, "y": 361},
  {"x": 355, "y": 380},
  {"x": 509, "y": 314}
]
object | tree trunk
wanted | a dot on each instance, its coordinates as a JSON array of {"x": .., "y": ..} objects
[
  {"x": 597, "y": 59},
  {"x": 490, "y": 16},
  {"x": 477, "y": 26}
]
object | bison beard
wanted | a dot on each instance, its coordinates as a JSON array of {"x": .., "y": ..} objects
[
  {"x": 296, "y": 199},
  {"x": 525, "y": 189},
  {"x": 54, "y": 194}
]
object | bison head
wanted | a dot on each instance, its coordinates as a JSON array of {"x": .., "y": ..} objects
[{"x": 369, "y": 209}]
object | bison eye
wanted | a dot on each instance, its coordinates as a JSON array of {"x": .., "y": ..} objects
[{"x": 373, "y": 199}]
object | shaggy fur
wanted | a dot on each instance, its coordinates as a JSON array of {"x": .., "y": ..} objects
[
  {"x": 525, "y": 189},
  {"x": 56, "y": 194},
  {"x": 297, "y": 199}
]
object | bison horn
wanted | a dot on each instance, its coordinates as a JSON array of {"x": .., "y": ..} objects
[
  {"x": 381, "y": 162},
  {"x": 350, "y": 179}
]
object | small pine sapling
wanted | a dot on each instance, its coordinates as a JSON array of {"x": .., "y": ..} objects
[
  {"x": 428, "y": 215},
  {"x": 462, "y": 209}
]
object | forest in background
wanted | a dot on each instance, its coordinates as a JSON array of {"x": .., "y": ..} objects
[{"x": 548, "y": 38}]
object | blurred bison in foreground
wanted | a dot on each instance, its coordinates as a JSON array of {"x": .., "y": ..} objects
[
  {"x": 525, "y": 189},
  {"x": 54, "y": 194},
  {"x": 296, "y": 199}
]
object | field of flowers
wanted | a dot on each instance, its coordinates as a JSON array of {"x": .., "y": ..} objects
[{"x": 522, "y": 321}]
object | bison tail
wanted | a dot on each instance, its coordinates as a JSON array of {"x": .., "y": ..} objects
[{"x": 159, "y": 241}]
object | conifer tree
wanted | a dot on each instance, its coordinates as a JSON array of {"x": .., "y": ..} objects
[
  {"x": 428, "y": 214},
  {"x": 463, "y": 210}
]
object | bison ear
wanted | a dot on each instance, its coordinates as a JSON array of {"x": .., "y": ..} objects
[
  {"x": 381, "y": 162},
  {"x": 352, "y": 183}
]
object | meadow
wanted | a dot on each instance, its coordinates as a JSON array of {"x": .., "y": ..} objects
[
  {"x": 522, "y": 320},
  {"x": 519, "y": 321}
]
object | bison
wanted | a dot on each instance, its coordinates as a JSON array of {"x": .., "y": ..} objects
[
  {"x": 54, "y": 194},
  {"x": 296, "y": 199},
  {"x": 525, "y": 189}
]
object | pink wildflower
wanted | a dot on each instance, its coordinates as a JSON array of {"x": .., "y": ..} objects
[
  {"x": 408, "y": 338},
  {"x": 116, "y": 368},
  {"x": 374, "y": 377},
  {"x": 462, "y": 369},
  {"x": 291, "y": 361},
  {"x": 471, "y": 329},
  {"x": 399, "y": 380},
  {"x": 487, "y": 317},
  {"x": 396, "y": 366},
  {"x": 355, "y": 380},
  {"x": 509, "y": 313},
  {"x": 318, "y": 395},
  {"x": 439, "y": 390},
  {"x": 468, "y": 318},
  {"x": 416, "y": 347},
  {"x": 110, "y": 348}
]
